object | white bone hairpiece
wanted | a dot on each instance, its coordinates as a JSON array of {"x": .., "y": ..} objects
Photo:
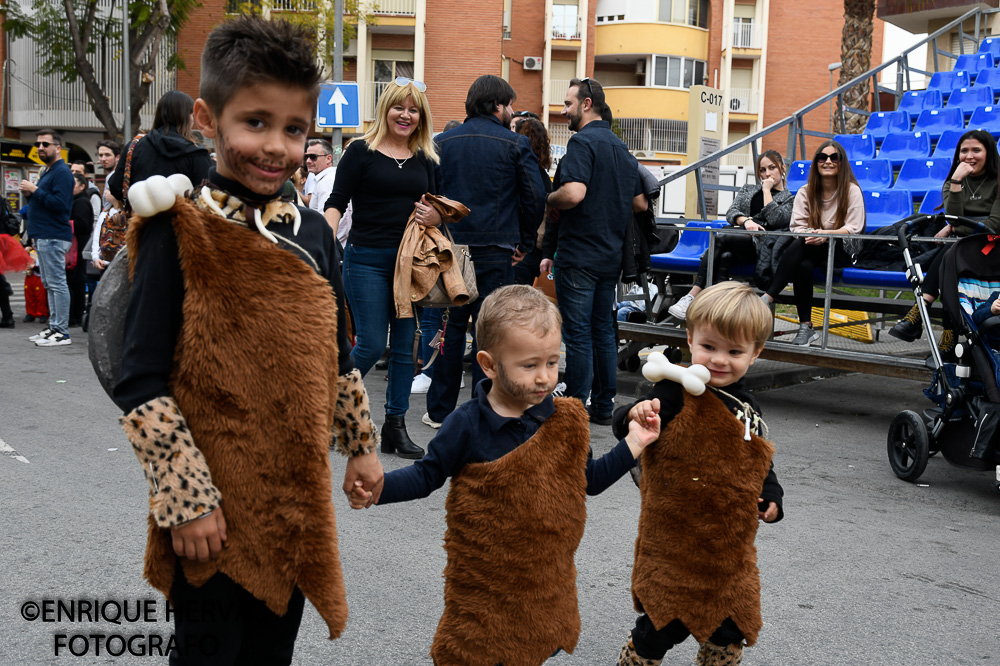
[
  {"x": 259, "y": 221},
  {"x": 693, "y": 378},
  {"x": 206, "y": 196},
  {"x": 297, "y": 222}
]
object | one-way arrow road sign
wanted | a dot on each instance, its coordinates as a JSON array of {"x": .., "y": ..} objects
[{"x": 338, "y": 105}]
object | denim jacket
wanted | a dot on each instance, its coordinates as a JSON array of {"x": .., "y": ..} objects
[{"x": 492, "y": 171}]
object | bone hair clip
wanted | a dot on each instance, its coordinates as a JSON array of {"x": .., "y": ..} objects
[
  {"x": 693, "y": 378},
  {"x": 157, "y": 194}
]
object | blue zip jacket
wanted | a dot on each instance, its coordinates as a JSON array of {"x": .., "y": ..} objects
[
  {"x": 492, "y": 171},
  {"x": 50, "y": 205}
]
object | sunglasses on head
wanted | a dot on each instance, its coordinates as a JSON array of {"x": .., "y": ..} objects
[
  {"x": 401, "y": 81},
  {"x": 823, "y": 157},
  {"x": 590, "y": 88},
  {"x": 43, "y": 144}
]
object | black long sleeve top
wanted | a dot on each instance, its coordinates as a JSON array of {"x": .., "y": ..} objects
[{"x": 155, "y": 308}]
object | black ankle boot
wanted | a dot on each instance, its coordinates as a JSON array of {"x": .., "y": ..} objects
[
  {"x": 909, "y": 327},
  {"x": 395, "y": 440}
]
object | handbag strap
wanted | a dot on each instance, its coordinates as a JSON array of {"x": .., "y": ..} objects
[{"x": 127, "y": 179}]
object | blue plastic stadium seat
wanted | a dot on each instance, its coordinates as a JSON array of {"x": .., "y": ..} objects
[
  {"x": 946, "y": 145},
  {"x": 945, "y": 82},
  {"x": 987, "y": 118},
  {"x": 921, "y": 176},
  {"x": 897, "y": 148},
  {"x": 798, "y": 174},
  {"x": 991, "y": 45},
  {"x": 936, "y": 121},
  {"x": 857, "y": 146},
  {"x": 884, "y": 208},
  {"x": 932, "y": 202},
  {"x": 687, "y": 253},
  {"x": 915, "y": 101},
  {"x": 883, "y": 122},
  {"x": 872, "y": 174},
  {"x": 968, "y": 99},
  {"x": 858, "y": 277},
  {"x": 973, "y": 62},
  {"x": 988, "y": 78}
]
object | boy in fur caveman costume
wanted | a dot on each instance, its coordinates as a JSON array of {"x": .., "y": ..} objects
[
  {"x": 236, "y": 373},
  {"x": 695, "y": 562},
  {"x": 521, "y": 469}
]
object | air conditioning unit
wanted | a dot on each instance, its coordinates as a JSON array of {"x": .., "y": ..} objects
[
  {"x": 640, "y": 67},
  {"x": 533, "y": 63},
  {"x": 644, "y": 154}
]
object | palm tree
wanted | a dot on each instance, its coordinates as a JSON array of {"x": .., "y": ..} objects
[{"x": 856, "y": 55}]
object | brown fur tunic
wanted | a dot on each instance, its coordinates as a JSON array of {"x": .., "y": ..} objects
[
  {"x": 695, "y": 558},
  {"x": 514, "y": 525},
  {"x": 255, "y": 375}
]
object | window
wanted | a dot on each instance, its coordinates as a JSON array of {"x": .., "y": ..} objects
[
  {"x": 691, "y": 12},
  {"x": 564, "y": 21},
  {"x": 664, "y": 14},
  {"x": 677, "y": 72}
]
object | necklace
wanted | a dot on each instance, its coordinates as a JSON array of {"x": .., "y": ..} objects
[
  {"x": 975, "y": 196},
  {"x": 399, "y": 163}
]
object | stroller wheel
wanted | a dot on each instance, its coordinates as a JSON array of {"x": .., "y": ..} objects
[{"x": 908, "y": 446}]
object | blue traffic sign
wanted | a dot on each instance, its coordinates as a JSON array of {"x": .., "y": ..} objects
[{"x": 338, "y": 105}]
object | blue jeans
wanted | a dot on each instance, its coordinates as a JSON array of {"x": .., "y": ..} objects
[
  {"x": 52, "y": 265},
  {"x": 368, "y": 273},
  {"x": 430, "y": 324},
  {"x": 586, "y": 302},
  {"x": 493, "y": 270}
]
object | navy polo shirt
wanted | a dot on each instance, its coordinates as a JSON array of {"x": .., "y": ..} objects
[
  {"x": 592, "y": 233},
  {"x": 475, "y": 433}
]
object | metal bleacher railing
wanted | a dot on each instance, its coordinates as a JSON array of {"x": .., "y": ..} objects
[{"x": 924, "y": 189}]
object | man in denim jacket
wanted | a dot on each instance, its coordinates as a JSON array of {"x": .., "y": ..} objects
[
  {"x": 598, "y": 190},
  {"x": 492, "y": 171}
]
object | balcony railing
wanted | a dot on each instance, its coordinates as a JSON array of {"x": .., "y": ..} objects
[
  {"x": 395, "y": 7},
  {"x": 746, "y": 35},
  {"x": 744, "y": 100},
  {"x": 559, "y": 134},
  {"x": 373, "y": 91},
  {"x": 45, "y": 101},
  {"x": 567, "y": 31},
  {"x": 557, "y": 90},
  {"x": 654, "y": 134}
]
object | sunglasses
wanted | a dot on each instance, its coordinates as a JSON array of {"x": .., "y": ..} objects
[
  {"x": 823, "y": 157},
  {"x": 401, "y": 81},
  {"x": 311, "y": 156},
  {"x": 590, "y": 88},
  {"x": 43, "y": 144}
]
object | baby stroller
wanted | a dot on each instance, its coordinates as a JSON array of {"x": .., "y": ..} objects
[{"x": 962, "y": 424}]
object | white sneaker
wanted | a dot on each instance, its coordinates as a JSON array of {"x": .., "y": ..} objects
[
  {"x": 420, "y": 384},
  {"x": 426, "y": 420},
  {"x": 560, "y": 390},
  {"x": 54, "y": 340},
  {"x": 463, "y": 381},
  {"x": 680, "y": 308},
  {"x": 39, "y": 336}
]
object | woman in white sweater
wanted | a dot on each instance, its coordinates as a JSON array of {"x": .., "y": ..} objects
[{"x": 831, "y": 203}]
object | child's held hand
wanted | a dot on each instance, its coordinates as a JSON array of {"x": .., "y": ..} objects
[
  {"x": 200, "y": 539},
  {"x": 644, "y": 425},
  {"x": 359, "y": 497},
  {"x": 771, "y": 514},
  {"x": 995, "y": 307}
]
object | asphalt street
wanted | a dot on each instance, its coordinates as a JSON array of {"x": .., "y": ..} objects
[{"x": 865, "y": 568}]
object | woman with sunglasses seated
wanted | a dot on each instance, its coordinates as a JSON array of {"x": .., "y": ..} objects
[
  {"x": 762, "y": 206},
  {"x": 831, "y": 203},
  {"x": 382, "y": 174},
  {"x": 969, "y": 191}
]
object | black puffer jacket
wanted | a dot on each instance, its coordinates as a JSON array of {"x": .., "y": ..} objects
[{"x": 162, "y": 152}]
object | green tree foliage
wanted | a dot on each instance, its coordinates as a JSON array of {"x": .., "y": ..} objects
[{"x": 67, "y": 35}]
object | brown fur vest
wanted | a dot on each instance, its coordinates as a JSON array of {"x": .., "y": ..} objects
[
  {"x": 695, "y": 558},
  {"x": 514, "y": 525},
  {"x": 255, "y": 375}
]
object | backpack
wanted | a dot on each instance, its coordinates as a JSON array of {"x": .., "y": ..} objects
[
  {"x": 116, "y": 223},
  {"x": 74, "y": 249}
]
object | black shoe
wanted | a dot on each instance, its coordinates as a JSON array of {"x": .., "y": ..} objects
[
  {"x": 909, "y": 327},
  {"x": 7, "y": 322},
  {"x": 396, "y": 440},
  {"x": 86, "y": 321},
  {"x": 28, "y": 319},
  {"x": 599, "y": 420}
]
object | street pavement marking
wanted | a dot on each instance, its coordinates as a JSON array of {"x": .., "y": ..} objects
[{"x": 11, "y": 453}]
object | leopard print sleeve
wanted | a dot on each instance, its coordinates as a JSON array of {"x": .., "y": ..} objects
[
  {"x": 354, "y": 434},
  {"x": 180, "y": 484}
]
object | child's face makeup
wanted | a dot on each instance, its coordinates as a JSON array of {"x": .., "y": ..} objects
[
  {"x": 525, "y": 367},
  {"x": 727, "y": 360},
  {"x": 260, "y": 135}
]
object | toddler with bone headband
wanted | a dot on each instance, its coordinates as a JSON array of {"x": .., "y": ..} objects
[{"x": 710, "y": 471}]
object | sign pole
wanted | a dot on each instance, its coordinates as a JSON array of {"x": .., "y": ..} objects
[
  {"x": 127, "y": 64},
  {"x": 336, "y": 138}
]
